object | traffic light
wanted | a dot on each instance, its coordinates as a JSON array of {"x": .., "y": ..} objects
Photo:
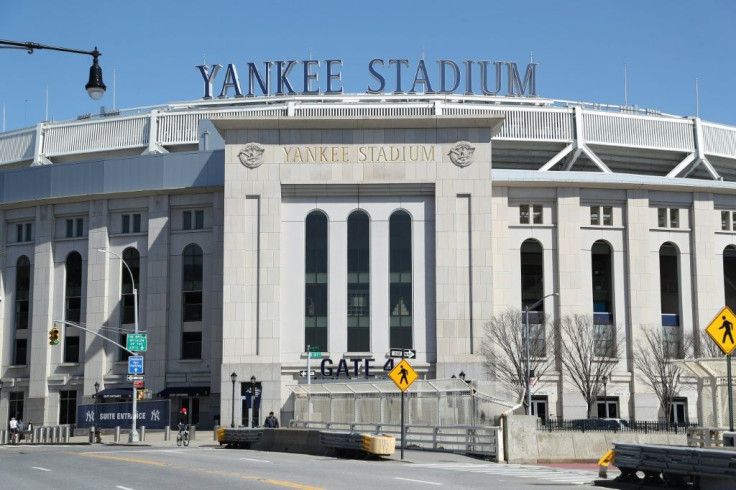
[{"x": 54, "y": 336}]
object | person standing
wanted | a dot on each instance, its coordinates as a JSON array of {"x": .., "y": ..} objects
[
  {"x": 271, "y": 421},
  {"x": 13, "y": 426}
]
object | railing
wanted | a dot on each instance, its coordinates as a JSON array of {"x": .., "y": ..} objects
[
  {"x": 464, "y": 439},
  {"x": 613, "y": 425},
  {"x": 534, "y": 120}
]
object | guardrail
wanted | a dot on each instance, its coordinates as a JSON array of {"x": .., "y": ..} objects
[
  {"x": 465, "y": 439},
  {"x": 676, "y": 465}
]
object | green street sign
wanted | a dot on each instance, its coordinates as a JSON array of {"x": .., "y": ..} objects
[
  {"x": 137, "y": 342},
  {"x": 315, "y": 355}
]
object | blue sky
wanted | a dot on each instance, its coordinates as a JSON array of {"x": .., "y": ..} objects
[{"x": 581, "y": 47}]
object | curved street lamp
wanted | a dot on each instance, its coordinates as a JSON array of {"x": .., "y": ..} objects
[
  {"x": 95, "y": 86},
  {"x": 528, "y": 358},
  {"x": 133, "y": 431}
]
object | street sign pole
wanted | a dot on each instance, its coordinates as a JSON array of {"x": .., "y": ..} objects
[
  {"x": 309, "y": 366},
  {"x": 730, "y": 393},
  {"x": 403, "y": 431}
]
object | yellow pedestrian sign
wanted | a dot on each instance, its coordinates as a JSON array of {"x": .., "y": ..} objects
[
  {"x": 723, "y": 330},
  {"x": 403, "y": 375}
]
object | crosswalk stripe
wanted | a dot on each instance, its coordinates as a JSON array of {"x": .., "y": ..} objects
[{"x": 545, "y": 473}]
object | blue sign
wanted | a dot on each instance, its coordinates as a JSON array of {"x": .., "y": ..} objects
[
  {"x": 252, "y": 394},
  {"x": 135, "y": 365},
  {"x": 151, "y": 415}
]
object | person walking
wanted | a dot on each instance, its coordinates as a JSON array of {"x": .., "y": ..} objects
[{"x": 271, "y": 421}]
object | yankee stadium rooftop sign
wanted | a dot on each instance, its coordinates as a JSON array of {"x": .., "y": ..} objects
[{"x": 398, "y": 76}]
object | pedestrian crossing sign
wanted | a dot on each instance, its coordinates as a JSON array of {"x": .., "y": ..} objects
[
  {"x": 723, "y": 330},
  {"x": 403, "y": 375}
]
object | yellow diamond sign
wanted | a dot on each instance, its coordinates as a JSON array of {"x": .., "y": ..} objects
[
  {"x": 723, "y": 330},
  {"x": 403, "y": 375}
]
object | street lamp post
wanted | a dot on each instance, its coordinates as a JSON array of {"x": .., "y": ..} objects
[
  {"x": 95, "y": 87},
  {"x": 605, "y": 394},
  {"x": 233, "y": 378},
  {"x": 252, "y": 401},
  {"x": 133, "y": 431},
  {"x": 528, "y": 357},
  {"x": 97, "y": 414}
]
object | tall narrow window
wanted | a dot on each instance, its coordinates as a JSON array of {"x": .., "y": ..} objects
[
  {"x": 73, "y": 290},
  {"x": 729, "y": 276},
  {"x": 72, "y": 305},
  {"x": 127, "y": 297},
  {"x": 400, "y": 280},
  {"x": 22, "y": 292},
  {"x": 68, "y": 407},
  {"x": 601, "y": 267},
  {"x": 192, "y": 283},
  {"x": 669, "y": 290},
  {"x": 315, "y": 281},
  {"x": 15, "y": 404},
  {"x": 532, "y": 290},
  {"x": 359, "y": 318}
]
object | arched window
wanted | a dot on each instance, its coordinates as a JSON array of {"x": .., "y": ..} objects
[
  {"x": 532, "y": 291},
  {"x": 315, "y": 282},
  {"x": 669, "y": 293},
  {"x": 192, "y": 274},
  {"x": 400, "y": 280},
  {"x": 601, "y": 269},
  {"x": 729, "y": 276},
  {"x": 359, "y": 318},
  {"x": 22, "y": 292},
  {"x": 72, "y": 305},
  {"x": 192, "y": 283}
]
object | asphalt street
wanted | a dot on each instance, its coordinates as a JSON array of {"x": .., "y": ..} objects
[{"x": 166, "y": 467}]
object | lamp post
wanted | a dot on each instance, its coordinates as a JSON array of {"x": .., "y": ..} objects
[
  {"x": 133, "y": 431},
  {"x": 528, "y": 358},
  {"x": 233, "y": 378},
  {"x": 252, "y": 401},
  {"x": 97, "y": 415},
  {"x": 605, "y": 394},
  {"x": 1, "y": 389},
  {"x": 461, "y": 375},
  {"x": 95, "y": 87}
]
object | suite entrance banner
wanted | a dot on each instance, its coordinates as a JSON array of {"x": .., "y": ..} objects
[{"x": 152, "y": 415}]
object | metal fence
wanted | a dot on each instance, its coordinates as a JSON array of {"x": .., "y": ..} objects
[
  {"x": 613, "y": 425},
  {"x": 481, "y": 441},
  {"x": 432, "y": 403}
]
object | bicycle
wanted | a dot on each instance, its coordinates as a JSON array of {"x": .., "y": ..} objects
[{"x": 183, "y": 436}]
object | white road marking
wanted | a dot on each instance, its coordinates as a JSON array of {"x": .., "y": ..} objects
[
  {"x": 175, "y": 451},
  {"x": 255, "y": 460},
  {"x": 39, "y": 468},
  {"x": 123, "y": 488},
  {"x": 417, "y": 481}
]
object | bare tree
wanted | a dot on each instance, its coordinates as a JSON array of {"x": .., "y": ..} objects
[
  {"x": 588, "y": 353},
  {"x": 504, "y": 350},
  {"x": 653, "y": 358},
  {"x": 708, "y": 348}
]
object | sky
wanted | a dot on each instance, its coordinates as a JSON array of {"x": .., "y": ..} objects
[{"x": 150, "y": 49}]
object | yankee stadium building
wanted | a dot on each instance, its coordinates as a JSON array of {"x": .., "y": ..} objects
[{"x": 278, "y": 219}]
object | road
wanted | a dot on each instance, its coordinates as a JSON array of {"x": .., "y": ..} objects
[{"x": 164, "y": 468}]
